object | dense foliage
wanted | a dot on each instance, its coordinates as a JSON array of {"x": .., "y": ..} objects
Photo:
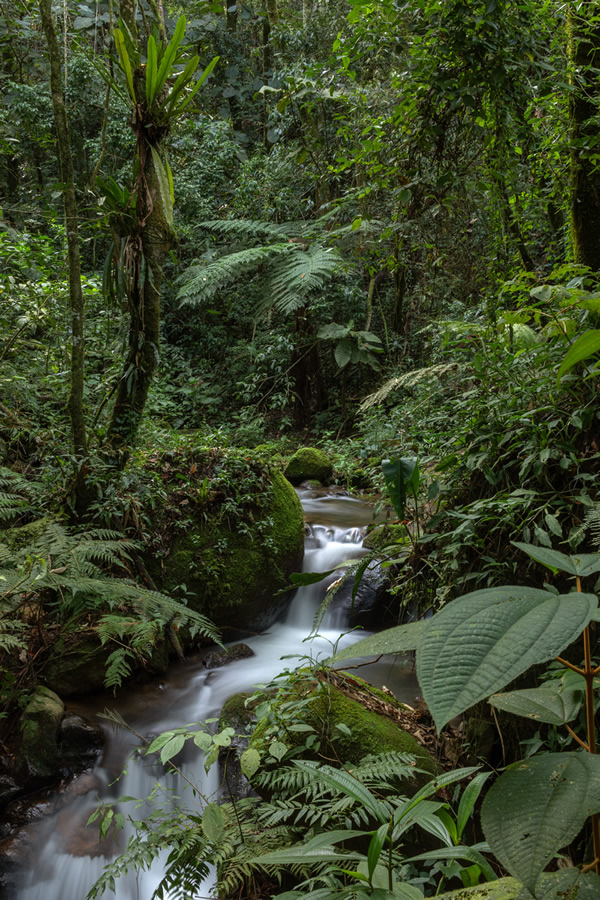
[{"x": 370, "y": 227}]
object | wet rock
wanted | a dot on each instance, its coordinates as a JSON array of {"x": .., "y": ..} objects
[
  {"x": 9, "y": 788},
  {"x": 238, "y": 578},
  {"x": 372, "y": 606},
  {"x": 235, "y": 714},
  {"x": 40, "y": 723},
  {"x": 309, "y": 464},
  {"x": 217, "y": 658},
  {"x": 80, "y": 742}
]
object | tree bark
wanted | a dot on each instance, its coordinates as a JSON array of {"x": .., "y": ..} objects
[
  {"x": 145, "y": 250},
  {"x": 75, "y": 402},
  {"x": 584, "y": 53}
]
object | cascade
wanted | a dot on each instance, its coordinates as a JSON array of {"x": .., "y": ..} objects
[{"x": 69, "y": 857}]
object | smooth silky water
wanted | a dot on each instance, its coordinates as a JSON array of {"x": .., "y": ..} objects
[{"x": 68, "y": 857}]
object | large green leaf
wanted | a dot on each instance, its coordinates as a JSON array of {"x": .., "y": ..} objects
[
  {"x": 543, "y": 704},
  {"x": 480, "y": 642},
  {"x": 585, "y": 346},
  {"x": 164, "y": 187},
  {"x": 394, "y": 640},
  {"x": 583, "y": 564},
  {"x": 566, "y": 884},
  {"x": 213, "y": 822},
  {"x": 401, "y": 476},
  {"x": 537, "y": 807}
]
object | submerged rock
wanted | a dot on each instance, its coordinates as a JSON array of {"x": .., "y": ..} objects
[{"x": 309, "y": 464}]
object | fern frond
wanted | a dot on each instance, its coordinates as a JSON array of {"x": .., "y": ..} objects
[
  {"x": 408, "y": 380},
  {"x": 248, "y": 229},
  {"x": 591, "y": 523},
  {"x": 300, "y": 272},
  {"x": 201, "y": 282}
]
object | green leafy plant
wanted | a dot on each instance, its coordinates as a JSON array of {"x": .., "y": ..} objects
[{"x": 469, "y": 651}]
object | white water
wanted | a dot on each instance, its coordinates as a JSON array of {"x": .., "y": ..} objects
[{"x": 68, "y": 858}]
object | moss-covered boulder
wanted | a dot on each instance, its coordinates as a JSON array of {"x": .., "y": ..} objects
[
  {"x": 76, "y": 666},
  {"x": 502, "y": 889},
  {"x": 309, "y": 464},
  {"x": 40, "y": 723},
  {"x": 232, "y": 534},
  {"x": 370, "y": 720}
]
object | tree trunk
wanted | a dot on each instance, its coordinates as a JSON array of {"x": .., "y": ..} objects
[
  {"x": 584, "y": 53},
  {"x": 75, "y": 402},
  {"x": 145, "y": 249}
]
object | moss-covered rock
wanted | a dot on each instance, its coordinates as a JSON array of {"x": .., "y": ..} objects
[
  {"x": 309, "y": 464},
  {"x": 40, "y": 723},
  {"x": 235, "y": 564},
  {"x": 371, "y": 720},
  {"x": 76, "y": 666},
  {"x": 502, "y": 889},
  {"x": 386, "y": 534}
]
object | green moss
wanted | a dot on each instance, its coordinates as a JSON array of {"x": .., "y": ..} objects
[
  {"x": 76, "y": 667},
  {"x": 309, "y": 463},
  {"x": 384, "y": 535},
  {"x": 370, "y": 731},
  {"x": 233, "y": 576},
  {"x": 235, "y": 714},
  {"x": 39, "y": 729},
  {"x": 502, "y": 889}
]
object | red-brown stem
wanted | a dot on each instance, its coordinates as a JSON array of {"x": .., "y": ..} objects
[
  {"x": 588, "y": 674},
  {"x": 578, "y": 739},
  {"x": 570, "y": 665}
]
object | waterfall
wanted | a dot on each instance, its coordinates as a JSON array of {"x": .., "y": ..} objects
[{"x": 68, "y": 857}]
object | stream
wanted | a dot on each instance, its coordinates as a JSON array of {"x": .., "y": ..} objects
[{"x": 68, "y": 857}]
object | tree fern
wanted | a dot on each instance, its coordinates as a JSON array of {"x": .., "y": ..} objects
[
  {"x": 202, "y": 282},
  {"x": 249, "y": 229},
  {"x": 299, "y": 273},
  {"x": 295, "y": 269}
]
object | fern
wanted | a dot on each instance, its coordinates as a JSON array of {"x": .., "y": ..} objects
[
  {"x": 297, "y": 274},
  {"x": 407, "y": 381},
  {"x": 16, "y": 496},
  {"x": 248, "y": 229},
  {"x": 202, "y": 282},
  {"x": 64, "y": 574}
]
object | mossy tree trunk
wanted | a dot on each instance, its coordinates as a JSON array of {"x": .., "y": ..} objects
[
  {"x": 146, "y": 246},
  {"x": 584, "y": 54}
]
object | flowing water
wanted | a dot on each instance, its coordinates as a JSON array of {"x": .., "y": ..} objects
[{"x": 68, "y": 857}]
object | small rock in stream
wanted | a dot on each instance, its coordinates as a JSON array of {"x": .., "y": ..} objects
[{"x": 216, "y": 658}]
